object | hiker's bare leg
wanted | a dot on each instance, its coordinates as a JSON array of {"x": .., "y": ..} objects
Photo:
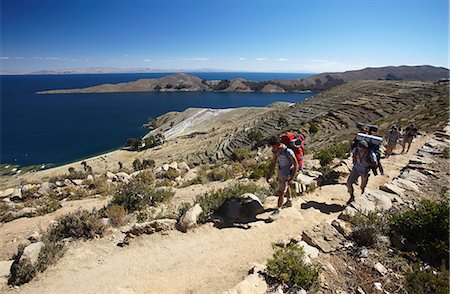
[
  {"x": 364, "y": 180},
  {"x": 280, "y": 198},
  {"x": 409, "y": 145}
]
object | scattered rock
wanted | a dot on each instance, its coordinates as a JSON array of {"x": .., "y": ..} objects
[
  {"x": 35, "y": 237},
  {"x": 347, "y": 213},
  {"x": 165, "y": 167},
  {"x": 123, "y": 177},
  {"x": 68, "y": 182},
  {"x": 306, "y": 180},
  {"x": 421, "y": 160},
  {"x": 252, "y": 284},
  {"x": 258, "y": 268},
  {"x": 90, "y": 178},
  {"x": 360, "y": 291},
  {"x": 16, "y": 195},
  {"x": 5, "y": 268},
  {"x": 342, "y": 227},
  {"x": 31, "y": 252},
  {"x": 381, "y": 269},
  {"x": 183, "y": 166},
  {"x": 26, "y": 211},
  {"x": 406, "y": 184},
  {"x": 377, "y": 286},
  {"x": 312, "y": 164},
  {"x": 414, "y": 176},
  {"x": 379, "y": 198},
  {"x": 111, "y": 176},
  {"x": 173, "y": 165},
  {"x": 391, "y": 188},
  {"x": 78, "y": 182},
  {"x": 189, "y": 219}
]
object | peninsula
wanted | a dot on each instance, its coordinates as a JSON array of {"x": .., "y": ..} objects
[{"x": 182, "y": 82}]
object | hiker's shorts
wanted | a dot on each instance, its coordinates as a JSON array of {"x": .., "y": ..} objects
[
  {"x": 354, "y": 175},
  {"x": 408, "y": 139},
  {"x": 283, "y": 183}
]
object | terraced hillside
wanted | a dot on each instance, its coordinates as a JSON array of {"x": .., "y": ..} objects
[{"x": 332, "y": 115}]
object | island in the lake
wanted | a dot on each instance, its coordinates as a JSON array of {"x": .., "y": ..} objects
[{"x": 188, "y": 83}]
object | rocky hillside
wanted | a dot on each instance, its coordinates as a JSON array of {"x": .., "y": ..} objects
[
  {"x": 332, "y": 115},
  {"x": 320, "y": 82}
]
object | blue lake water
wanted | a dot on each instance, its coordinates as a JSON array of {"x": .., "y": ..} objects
[{"x": 63, "y": 128}]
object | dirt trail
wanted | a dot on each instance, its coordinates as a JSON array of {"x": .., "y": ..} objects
[{"x": 205, "y": 260}]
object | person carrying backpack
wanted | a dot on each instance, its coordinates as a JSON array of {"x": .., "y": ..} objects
[
  {"x": 410, "y": 133},
  {"x": 295, "y": 142},
  {"x": 392, "y": 138},
  {"x": 287, "y": 170},
  {"x": 363, "y": 161}
]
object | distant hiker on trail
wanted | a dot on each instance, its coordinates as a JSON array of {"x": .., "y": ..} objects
[
  {"x": 287, "y": 170},
  {"x": 409, "y": 134},
  {"x": 392, "y": 138},
  {"x": 363, "y": 160}
]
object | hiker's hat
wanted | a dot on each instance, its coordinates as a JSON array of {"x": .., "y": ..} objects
[{"x": 363, "y": 143}]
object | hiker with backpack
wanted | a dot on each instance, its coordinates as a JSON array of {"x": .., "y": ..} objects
[
  {"x": 392, "y": 138},
  {"x": 373, "y": 142},
  {"x": 364, "y": 160},
  {"x": 287, "y": 170},
  {"x": 409, "y": 134}
]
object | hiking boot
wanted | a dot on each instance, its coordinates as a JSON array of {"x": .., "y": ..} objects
[
  {"x": 288, "y": 204},
  {"x": 352, "y": 198}
]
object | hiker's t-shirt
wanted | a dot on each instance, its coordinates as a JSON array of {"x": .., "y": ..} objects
[
  {"x": 363, "y": 160},
  {"x": 284, "y": 161}
]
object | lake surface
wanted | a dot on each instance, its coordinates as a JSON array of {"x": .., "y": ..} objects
[{"x": 63, "y": 128}]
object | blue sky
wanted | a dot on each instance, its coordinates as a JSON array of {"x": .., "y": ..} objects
[{"x": 245, "y": 35}]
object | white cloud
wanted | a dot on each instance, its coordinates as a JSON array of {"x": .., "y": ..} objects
[
  {"x": 5, "y": 57},
  {"x": 242, "y": 58},
  {"x": 197, "y": 58},
  {"x": 282, "y": 59},
  {"x": 51, "y": 58},
  {"x": 126, "y": 55},
  {"x": 19, "y": 57},
  {"x": 147, "y": 60},
  {"x": 261, "y": 58},
  {"x": 38, "y": 57},
  {"x": 319, "y": 61}
]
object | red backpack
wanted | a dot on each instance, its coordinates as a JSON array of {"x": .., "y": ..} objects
[{"x": 295, "y": 142}]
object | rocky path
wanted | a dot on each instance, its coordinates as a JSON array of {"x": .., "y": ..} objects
[{"x": 204, "y": 260}]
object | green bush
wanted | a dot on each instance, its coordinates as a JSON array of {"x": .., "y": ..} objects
[
  {"x": 135, "y": 194},
  {"x": 212, "y": 201},
  {"x": 326, "y": 155},
  {"x": 261, "y": 170},
  {"x": 313, "y": 128},
  {"x": 428, "y": 227},
  {"x": 220, "y": 174},
  {"x": 368, "y": 228},
  {"x": 446, "y": 153},
  {"x": 287, "y": 266},
  {"x": 81, "y": 224},
  {"x": 171, "y": 174},
  {"x": 255, "y": 135},
  {"x": 427, "y": 281},
  {"x": 240, "y": 154}
]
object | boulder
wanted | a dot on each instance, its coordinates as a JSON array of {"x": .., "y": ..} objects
[
  {"x": 111, "y": 176},
  {"x": 16, "y": 195},
  {"x": 324, "y": 237},
  {"x": 313, "y": 173},
  {"x": 252, "y": 204},
  {"x": 31, "y": 252},
  {"x": 189, "y": 219},
  {"x": 306, "y": 180},
  {"x": 78, "y": 182},
  {"x": 46, "y": 188},
  {"x": 26, "y": 211},
  {"x": 183, "y": 166},
  {"x": 90, "y": 178},
  {"x": 381, "y": 269},
  {"x": 173, "y": 165},
  {"x": 379, "y": 198},
  {"x": 347, "y": 213},
  {"x": 165, "y": 167},
  {"x": 311, "y": 252},
  {"x": 312, "y": 164},
  {"x": 7, "y": 193},
  {"x": 123, "y": 177},
  {"x": 68, "y": 182},
  {"x": 5, "y": 269},
  {"x": 35, "y": 237},
  {"x": 342, "y": 227},
  {"x": 252, "y": 284}
]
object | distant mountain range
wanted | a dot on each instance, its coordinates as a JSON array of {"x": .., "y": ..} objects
[
  {"x": 189, "y": 83},
  {"x": 105, "y": 70}
]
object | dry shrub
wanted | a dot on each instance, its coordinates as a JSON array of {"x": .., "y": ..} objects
[{"x": 116, "y": 214}]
